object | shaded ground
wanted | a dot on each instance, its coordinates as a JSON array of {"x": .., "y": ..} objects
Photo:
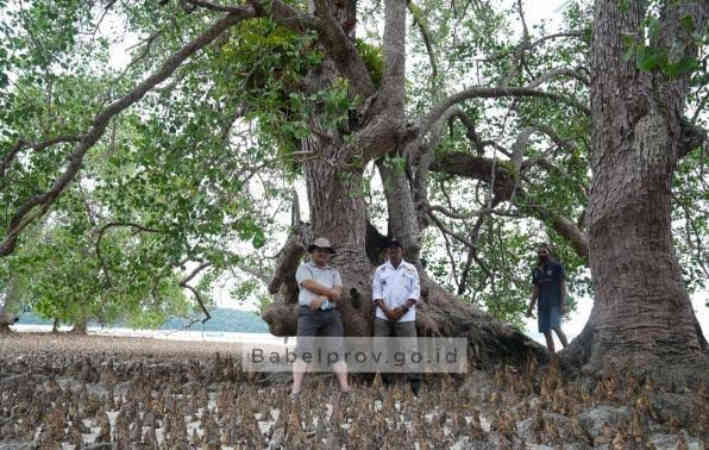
[{"x": 60, "y": 391}]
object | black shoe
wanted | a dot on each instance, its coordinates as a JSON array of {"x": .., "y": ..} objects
[{"x": 415, "y": 388}]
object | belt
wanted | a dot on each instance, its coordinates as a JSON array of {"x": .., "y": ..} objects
[{"x": 319, "y": 309}]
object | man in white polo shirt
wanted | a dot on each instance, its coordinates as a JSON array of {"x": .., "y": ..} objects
[
  {"x": 320, "y": 290},
  {"x": 395, "y": 293}
]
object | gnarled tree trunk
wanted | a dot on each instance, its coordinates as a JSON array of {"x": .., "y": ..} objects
[
  {"x": 642, "y": 314},
  {"x": 333, "y": 172},
  {"x": 340, "y": 215}
]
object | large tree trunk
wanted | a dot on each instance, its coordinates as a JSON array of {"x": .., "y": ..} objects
[
  {"x": 340, "y": 215},
  {"x": 81, "y": 327},
  {"x": 5, "y": 321},
  {"x": 642, "y": 314},
  {"x": 338, "y": 211},
  {"x": 333, "y": 172},
  {"x": 8, "y": 303}
]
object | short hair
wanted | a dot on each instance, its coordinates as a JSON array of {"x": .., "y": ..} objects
[
  {"x": 544, "y": 245},
  {"x": 394, "y": 244}
]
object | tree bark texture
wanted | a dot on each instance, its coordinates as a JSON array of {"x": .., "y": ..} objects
[
  {"x": 643, "y": 314},
  {"x": 81, "y": 327},
  {"x": 11, "y": 299}
]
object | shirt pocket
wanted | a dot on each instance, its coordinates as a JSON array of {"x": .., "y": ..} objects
[
  {"x": 385, "y": 282},
  {"x": 409, "y": 280}
]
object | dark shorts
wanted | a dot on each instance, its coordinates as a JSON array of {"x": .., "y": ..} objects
[
  {"x": 319, "y": 323},
  {"x": 548, "y": 318}
]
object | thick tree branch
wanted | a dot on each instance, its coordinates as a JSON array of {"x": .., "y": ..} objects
[
  {"x": 568, "y": 229},
  {"x": 469, "y": 166},
  {"x": 22, "y": 216},
  {"x": 288, "y": 16},
  {"x": 476, "y": 167},
  {"x": 422, "y": 155},
  {"x": 692, "y": 137},
  {"x": 394, "y": 49},
  {"x": 471, "y": 132},
  {"x": 541, "y": 40},
  {"x": 214, "y": 7},
  {"x": 553, "y": 74},
  {"x": 377, "y": 139},
  {"x": 342, "y": 51},
  {"x": 549, "y": 167},
  {"x": 531, "y": 45},
  {"x": 438, "y": 111},
  {"x": 289, "y": 258},
  {"x": 39, "y": 146}
]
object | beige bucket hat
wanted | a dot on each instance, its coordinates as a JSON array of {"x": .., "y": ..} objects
[{"x": 322, "y": 243}]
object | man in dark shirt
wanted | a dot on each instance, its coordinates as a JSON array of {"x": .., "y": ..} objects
[{"x": 550, "y": 289}]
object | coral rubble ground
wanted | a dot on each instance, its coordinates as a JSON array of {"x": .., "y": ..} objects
[{"x": 92, "y": 392}]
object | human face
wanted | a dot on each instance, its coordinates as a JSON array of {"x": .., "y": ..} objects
[
  {"x": 542, "y": 253},
  {"x": 321, "y": 256},
  {"x": 395, "y": 254}
]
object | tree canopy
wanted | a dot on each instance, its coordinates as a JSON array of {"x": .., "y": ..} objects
[{"x": 125, "y": 183}]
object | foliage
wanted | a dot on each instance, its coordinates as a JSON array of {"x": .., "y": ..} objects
[
  {"x": 64, "y": 278},
  {"x": 200, "y": 171},
  {"x": 372, "y": 57},
  {"x": 159, "y": 184}
]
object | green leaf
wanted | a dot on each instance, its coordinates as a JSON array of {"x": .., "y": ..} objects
[
  {"x": 650, "y": 58},
  {"x": 687, "y": 23}
]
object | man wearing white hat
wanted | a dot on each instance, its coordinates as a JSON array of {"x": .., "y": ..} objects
[{"x": 320, "y": 290}]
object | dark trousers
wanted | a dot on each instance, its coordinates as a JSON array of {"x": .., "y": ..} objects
[{"x": 389, "y": 328}]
